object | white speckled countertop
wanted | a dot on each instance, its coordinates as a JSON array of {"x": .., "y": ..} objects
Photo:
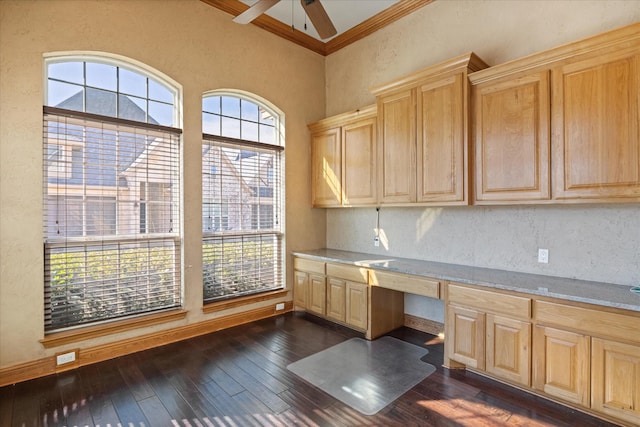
[{"x": 604, "y": 294}]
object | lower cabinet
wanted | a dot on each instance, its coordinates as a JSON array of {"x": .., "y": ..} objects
[
  {"x": 309, "y": 291},
  {"x": 561, "y": 364},
  {"x": 336, "y": 299},
  {"x": 615, "y": 380},
  {"x": 317, "y": 294},
  {"x": 334, "y": 291},
  {"x": 489, "y": 331},
  {"x": 356, "y": 303},
  {"x": 347, "y": 295},
  {"x": 465, "y": 330},
  {"x": 508, "y": 352},
  {"x": 301, "y": 289},
  {"x": 586, "y": 356}
]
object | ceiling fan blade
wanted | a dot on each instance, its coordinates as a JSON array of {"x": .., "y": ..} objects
[
  {"x": 319, "y": 18},
  {"x": 257, "y": 9}
]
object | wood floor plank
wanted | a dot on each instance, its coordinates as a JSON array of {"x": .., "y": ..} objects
[
  {"x": 103, "y": 412},
  {"x": 36, "y": 402},
  {"x": 238, "y": 377},
  {"x": 177, "y": 407},
  {"x": 138, "y": 385},
  {"x": 155, "y": 412},
  {"x": 228, "y": 411},
  {"x": 74, "y": 400},
  {"x": 225, "y": 381},
  {"x": 123, "y": 401},
  {"x": 6, "y": 405}
]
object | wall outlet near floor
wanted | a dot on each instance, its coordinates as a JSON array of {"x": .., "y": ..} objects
[
  {"x": 280, "y": 306},
  {"x": 543, "y": 256},
  {"x": 376, "y": 241},
  {"x": 64, "y": 358}
]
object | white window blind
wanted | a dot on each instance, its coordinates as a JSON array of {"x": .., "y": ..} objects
[
  {"x": 112, "y": 218},
  {"x": 242, "y": 192}
]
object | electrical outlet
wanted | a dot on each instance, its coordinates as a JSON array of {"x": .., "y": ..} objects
[
  {"x": 63, "y": 359},
  {"x": 376, "y": 241},
  {"x": 280, "y": 306},
  {"x": 543, "y": 256}
]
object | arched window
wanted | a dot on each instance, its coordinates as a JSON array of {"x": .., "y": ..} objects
[
  {"x": 111, "y": 179},
  {"x": 242, "y": 196}
]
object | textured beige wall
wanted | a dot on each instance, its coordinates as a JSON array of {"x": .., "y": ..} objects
[
  {"x": 192, "y": 43},
  {"x": 496, "y": 30},
  {"x": 589, "y": 242}
]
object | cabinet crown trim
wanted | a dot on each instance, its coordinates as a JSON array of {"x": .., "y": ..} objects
[
  {"x": 543, "y": 60},
  {"x": 370, "y": 111},
  {"x": 469, "y": 61}
]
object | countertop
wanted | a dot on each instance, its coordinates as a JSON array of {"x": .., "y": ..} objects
[{"x": 603, "y": 294}]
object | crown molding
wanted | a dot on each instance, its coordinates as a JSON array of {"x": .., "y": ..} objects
[{"x": 371, "y": 25}]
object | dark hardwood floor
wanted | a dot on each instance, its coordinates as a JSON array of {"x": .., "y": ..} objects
[{"x": 238, "y": 377}]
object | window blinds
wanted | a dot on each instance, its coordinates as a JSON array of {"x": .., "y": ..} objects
[
  {"x": 241, "y": 213},
  {"x": 112, "y": 218}
]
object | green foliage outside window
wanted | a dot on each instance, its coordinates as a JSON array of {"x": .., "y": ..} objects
[
  {"x": 238, "y": 268},
  {"x": 97, "y": 285}
]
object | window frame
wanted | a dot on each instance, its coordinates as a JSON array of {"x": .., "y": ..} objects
[
  {"x": 277, "y": 147},
  {"x": 176, "y": 177},
  {"x": 123, "y": 62}
]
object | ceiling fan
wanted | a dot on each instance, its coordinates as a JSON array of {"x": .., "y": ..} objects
[{"x": 313, "y": 8}]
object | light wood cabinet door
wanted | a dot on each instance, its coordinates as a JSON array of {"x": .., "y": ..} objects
[
  {"x": 359, "y": 163},
  {"x": 326, "y": 168},
  {"x": 441, "y": 141},
  {"x": 561, "y": 364},
  {"x": 596, "y": 143},
  {"x": 317, "y": 294},
  {"x": 336, "y": 299},
  {"x": 301, "y": 289},
  {"x": 397, "y": 147},
  {"x": 512, "y": 139},
  {"x": 356, "y": 304},
  {"x": 615, "y": 380},
  {"x": 508, "y": 349},
  {"x": 465, "y": 332}
]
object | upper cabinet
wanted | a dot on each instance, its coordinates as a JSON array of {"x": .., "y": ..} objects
[
  {"x": 561, "y": 125},
  {"x": 343, "y": 159},
  {"x": 596, "y": 152},
  {"x": 422, "y": 129},
  {"x": 326, "y": 167},
  {"x": 397, "y": 148},
  {"x": 511, "y": 134}
]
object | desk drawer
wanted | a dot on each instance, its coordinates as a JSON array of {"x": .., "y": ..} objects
[
  {"x": 592, "y": 322},
  {"x": 308, "y": 265},
  {"x": 406, "y": 283},
  {"x": 490, "y": 301},
  {"x": 347, "y": 272}
]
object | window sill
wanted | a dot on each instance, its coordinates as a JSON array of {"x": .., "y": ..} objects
[
  {"x": 240, "y": 301},
  {"x": 61, "y": 338}
]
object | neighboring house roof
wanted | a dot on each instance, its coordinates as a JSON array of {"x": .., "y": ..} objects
[
  {"x": 211, "y": 150},
  {"x": 104, "y": 103},
  {"x": 100, "y": 172},
  {"x": 100, "y": 158}
]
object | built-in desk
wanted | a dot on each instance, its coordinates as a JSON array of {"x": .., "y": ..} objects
[
  {"x": 574, "y": 341},
  {"x": 598, "y": 293}
]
